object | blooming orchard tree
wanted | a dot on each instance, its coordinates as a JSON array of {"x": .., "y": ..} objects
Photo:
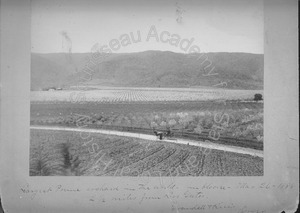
[
  {"x": 201, "y": 113},
  {"x": 172, "y": 122},
  {"x": 163, "y": 124},
  {"x": 141, "y": 122},
  {"x": 198, "y": 129},
  {"x": 156, "y": 117},
  {"x": 185, "y": 121},
  {"x": 207, "y": 122},
  {"x": 153, "y": 124},
  {"x": 126, "y": 121},
  {"x": 181, "y": 122}
]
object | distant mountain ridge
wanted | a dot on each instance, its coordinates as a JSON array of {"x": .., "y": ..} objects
[{"x": 149, "y": 69}]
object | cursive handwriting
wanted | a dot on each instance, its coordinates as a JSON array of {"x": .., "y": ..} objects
[{"x": 187, "y": 198}]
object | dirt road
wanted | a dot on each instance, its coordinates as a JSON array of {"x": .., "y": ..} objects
[{"x": 206, "y": 144}]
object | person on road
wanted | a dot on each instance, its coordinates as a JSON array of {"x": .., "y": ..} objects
[{"x": 168, "y": 132}]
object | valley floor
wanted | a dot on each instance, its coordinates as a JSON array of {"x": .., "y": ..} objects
[{"x": 67, "y": 151}]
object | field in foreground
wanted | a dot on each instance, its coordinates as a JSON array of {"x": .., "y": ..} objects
[{"x": 54, "y": 153}]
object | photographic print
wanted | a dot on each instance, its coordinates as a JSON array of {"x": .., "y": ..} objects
[{"x": 140, "y": 88}]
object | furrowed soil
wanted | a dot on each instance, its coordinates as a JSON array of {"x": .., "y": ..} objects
[{"x": 67, "y": 153}]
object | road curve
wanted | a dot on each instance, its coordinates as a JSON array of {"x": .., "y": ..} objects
[{"x": 208, "y": 145}]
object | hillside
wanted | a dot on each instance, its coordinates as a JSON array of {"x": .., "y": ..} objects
[{"x": 149, "y": 69}]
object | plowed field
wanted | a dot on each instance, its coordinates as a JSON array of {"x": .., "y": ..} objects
[{"x": 69, "y": 153}]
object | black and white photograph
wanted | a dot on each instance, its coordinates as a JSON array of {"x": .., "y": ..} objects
[
  {"x": 149, "y": 106},
  {"x": 147, "y": 88}
]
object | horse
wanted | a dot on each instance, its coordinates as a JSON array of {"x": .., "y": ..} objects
[{"x": 159, "y": 134}]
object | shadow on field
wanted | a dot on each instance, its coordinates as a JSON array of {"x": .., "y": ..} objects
[{"x": 61, "y": 161}]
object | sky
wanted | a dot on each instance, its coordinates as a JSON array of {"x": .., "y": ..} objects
[{"x": 214, "y": 26}]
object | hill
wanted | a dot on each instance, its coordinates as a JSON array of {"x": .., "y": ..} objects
[{"x": 149, "y": 69}]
